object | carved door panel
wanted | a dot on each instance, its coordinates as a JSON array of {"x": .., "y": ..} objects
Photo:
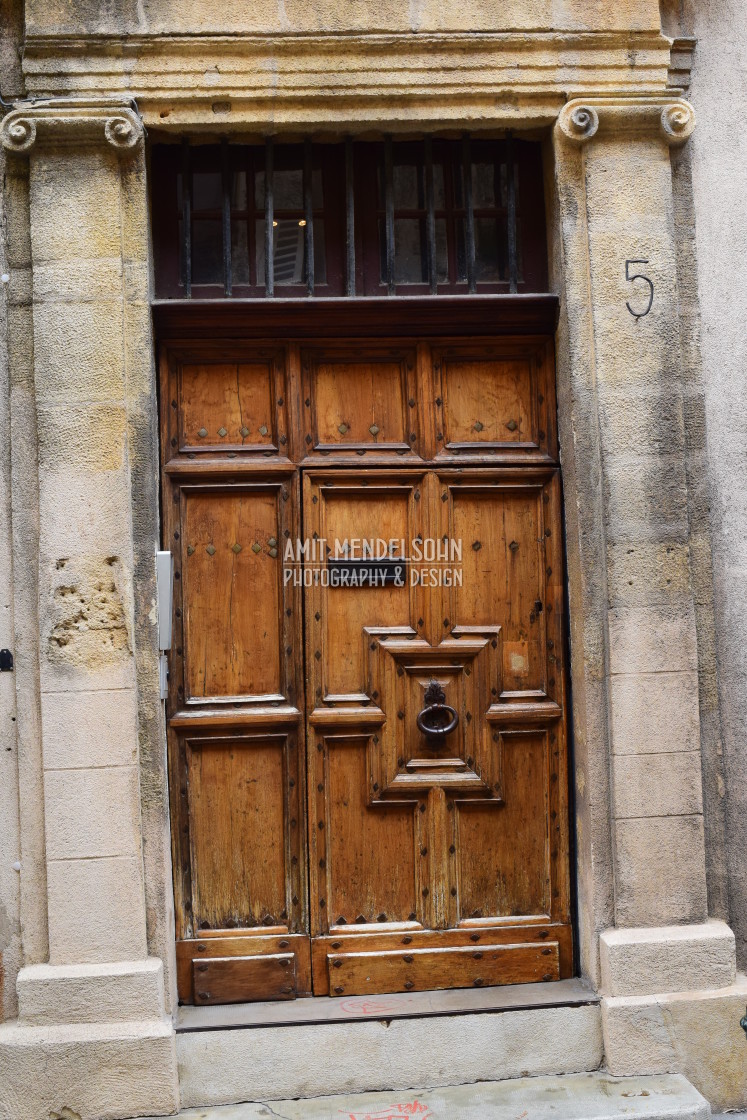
[{"x": 438, "y": 861}]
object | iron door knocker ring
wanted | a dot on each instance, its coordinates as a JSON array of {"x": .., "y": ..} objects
[{"x": 437, "y": 719}]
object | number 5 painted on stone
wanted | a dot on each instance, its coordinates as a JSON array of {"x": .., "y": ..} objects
[{"x": 639, "y": 276}]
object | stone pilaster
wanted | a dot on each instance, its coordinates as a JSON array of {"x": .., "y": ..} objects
[
  {"x": 615, "y": 189},
  {"x": 89, "y": 276},
  {"x": 651, "y": 657},
  {"x": 617, "y": 151}
]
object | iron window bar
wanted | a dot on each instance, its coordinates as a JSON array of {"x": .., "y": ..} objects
[
  {"x": 452, "y": 256},
  {"x": 308, "y": 203},
  {"x": 186, "y": 218},
  {"x": 349, "y": 219},
  {"x": 269, "y": 217},
  {"x": 226, "y": 218},
  {"x": 469, "y": 214},
  {"x": 389, "y": 218},
  {"x": 430, "y": 206},
  {"x": 513, "y": 268}
]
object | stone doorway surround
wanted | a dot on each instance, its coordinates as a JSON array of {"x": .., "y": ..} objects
[{"x": 96, "y": 993}]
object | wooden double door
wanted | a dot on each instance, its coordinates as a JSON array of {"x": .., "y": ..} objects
[{"x": 368, "y": 772}]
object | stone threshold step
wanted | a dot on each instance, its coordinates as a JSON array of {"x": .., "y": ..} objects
[
  {"x": 397, "y": 1005},
  {"x": 310, "y": 1060},
  {"x": 584, "y": 1096}
]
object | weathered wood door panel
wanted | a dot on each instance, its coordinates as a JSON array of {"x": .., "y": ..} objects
[
  {"x": 233, "y": 641},
  {"x": 494, "y": 404},
  {"x": 231, "y": 405},
  {"x": 235, "y": 795},
  {"x": 236, "y": 741},
  {"x": 362, "y": 400},
  {"x": 322, "y": 841}
]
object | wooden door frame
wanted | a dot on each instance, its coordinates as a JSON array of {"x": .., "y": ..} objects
[{"x": 465, "y": 317}]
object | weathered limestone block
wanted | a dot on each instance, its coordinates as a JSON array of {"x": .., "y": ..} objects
[
  {"x": 641, "y": 418},
  {"x": 270, "y": 18},
  {"x": 85, "y": 541},
  {"x": 87, "y": 624},
  {"x": 91, "y": 993},
  {"x": 79, "y": 352},
  {"x": 651, "y": 639},
  {"x": 72, "y": 433},
  {"x": 646, "y": 491},
  {"x": 96, "y": 910},
  {"x": 655, "y": 712},
  {"x": 76, "y": 280},
  {"x": 650, "y": 573},
  {"x": 89, "y": 730},
  {"x": 638, "y": 962},
  {"x": 93, "y": 1071},
  {"x": 81, "y": 224},
  {"x": 99, "y": 793},
  {"x": 693, "y": 1033},
  {"x": 660, "y": 871},
  {"x": 649, "y": 785}
]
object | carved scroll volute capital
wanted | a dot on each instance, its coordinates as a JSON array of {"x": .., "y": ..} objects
[
  {"x": 671, "y": 120},
  {"x": 70, "y": 122},
  {"x": 578, "y": 122},
  {"x": 124, "y": 132},
  {"x": 677, "y": 122},
  {"x": 18, "y": 133}
]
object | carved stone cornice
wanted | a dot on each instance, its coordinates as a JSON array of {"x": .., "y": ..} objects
[
  {"x": 72, "y": 121},
  {"x": 350, "y": 81},
  {"x": 670, "y": 118}
]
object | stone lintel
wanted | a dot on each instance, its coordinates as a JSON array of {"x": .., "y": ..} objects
[
  {"x": 285, "y": 80},
  {"x": 670, "y": 118},
  {"x": 639, "y": 962},
  {"x": 72, "y": 121}
]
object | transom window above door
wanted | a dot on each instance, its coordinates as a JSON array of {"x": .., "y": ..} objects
[{"x": 429, "y": 217}]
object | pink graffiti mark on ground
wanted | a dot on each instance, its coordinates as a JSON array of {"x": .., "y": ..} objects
[
  {"x": 369, "y": 1006},
  {"x": 393, "y": 1112}
]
